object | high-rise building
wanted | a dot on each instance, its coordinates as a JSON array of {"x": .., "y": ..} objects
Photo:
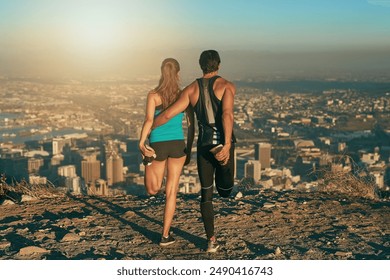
[
  {"x": 14, "y": 166},
  {"x": 114, "y": 169},
  {"x": 114, "y": 164},
  {"x": 253, "y": 170},
  {"x": 98, "y": 187},
  {"x": 67, "y": 171},
  {"x": 56, "y": 159},
  {"x": 90, "y": 169},
  {"x": 263, "y": 154},
  {"x": 101, "y": 187},
  {"x": 59, "y": 143},
  {"x": 34, "y": 164},
  {"x": 73, "y": 184}
]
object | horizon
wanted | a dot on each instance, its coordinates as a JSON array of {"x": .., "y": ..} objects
[{"x": 255, "y": 38}]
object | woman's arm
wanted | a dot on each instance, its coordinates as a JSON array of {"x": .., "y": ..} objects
[{"x": 146, "y": 128}]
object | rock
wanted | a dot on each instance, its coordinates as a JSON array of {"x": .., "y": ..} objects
[
  {"x": 70, "y": 237},
  {"x": 238, "y": 195},
  {"x": 343, "y": 254},
  {"x": 26, "y": 197},
  {"x": 7, "y": 202},
  {"x": 278, "y": 251},
  {"x": 268, "y": 205},
  {"x": 129, "y": 214},
  {"x": 4, "y": 245},
  {"x": 31, "y": 250}
]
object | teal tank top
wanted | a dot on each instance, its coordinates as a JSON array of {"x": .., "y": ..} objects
[{"x": 172, "y": 130}]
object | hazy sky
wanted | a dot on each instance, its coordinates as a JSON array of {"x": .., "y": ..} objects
[{"x": 114, "y": 37}]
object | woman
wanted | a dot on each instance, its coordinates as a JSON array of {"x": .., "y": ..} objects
[{"x": 166, "y": 143}]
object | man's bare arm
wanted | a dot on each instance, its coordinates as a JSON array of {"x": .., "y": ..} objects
[
  {"x": 227, "y": 122},
  {"x": 190, "y": 132}
]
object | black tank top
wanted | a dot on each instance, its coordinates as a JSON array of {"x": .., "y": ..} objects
[{"x": 208, "y": 111}]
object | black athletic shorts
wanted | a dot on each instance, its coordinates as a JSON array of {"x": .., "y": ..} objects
[{"x": 166, "y": 149}]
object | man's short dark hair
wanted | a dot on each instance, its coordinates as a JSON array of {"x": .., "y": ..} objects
[{"x": 209, "y": 61}]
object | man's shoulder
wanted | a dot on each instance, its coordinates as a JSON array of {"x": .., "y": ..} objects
[
  {"x": 225, "y": 84},
  {"x": 191, "y": 87}
]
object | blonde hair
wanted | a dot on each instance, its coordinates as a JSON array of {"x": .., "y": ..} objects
[{"x": 168, "y": 87}]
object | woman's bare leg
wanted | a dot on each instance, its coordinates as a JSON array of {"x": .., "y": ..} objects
[
  {"x": 154, "y": 175},
  {"x": 174, "y": 168}
]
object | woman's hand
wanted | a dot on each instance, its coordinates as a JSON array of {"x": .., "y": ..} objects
[{"x": 147, "y": 151}]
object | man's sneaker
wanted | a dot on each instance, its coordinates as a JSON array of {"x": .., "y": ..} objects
[
  {"x": 212, "y": 246},
  {"x": 165, "y": 241}
]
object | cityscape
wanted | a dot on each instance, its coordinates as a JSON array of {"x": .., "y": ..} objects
[
  {"x": 82, "y": 136},
  {"x": 311, "y": 119}
]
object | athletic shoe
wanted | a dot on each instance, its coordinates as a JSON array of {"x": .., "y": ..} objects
[
  {"x": 213, "y": 246},
  {"x": 165, "y": 241}
]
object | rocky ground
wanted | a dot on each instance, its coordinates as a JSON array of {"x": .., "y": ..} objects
[{"x": 268, "y": 225}]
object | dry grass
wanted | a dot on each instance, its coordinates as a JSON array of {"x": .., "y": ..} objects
[
  {"x": 355, "y": 183},
  {"x": 15, "y": 191}
]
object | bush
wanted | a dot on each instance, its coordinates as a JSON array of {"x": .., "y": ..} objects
[
  {"x": 354, "y": 183},
  {"x": 15, "y": 191}
]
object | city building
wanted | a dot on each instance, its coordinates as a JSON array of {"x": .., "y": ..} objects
[
  {"x": 263, "y": 154},
  {"x": 90, "y": 169},
  {"x": 59, "y": 143},
  {"x": 67, "y": 171},
  {"x": 98, "y": 187},
  {"x": 114, "y": 170},
  {"x": 253, "y": 170},
  {"x": 34, "y": 164}
]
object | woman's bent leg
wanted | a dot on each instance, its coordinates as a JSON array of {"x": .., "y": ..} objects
[{"x": 154, "y": 175}]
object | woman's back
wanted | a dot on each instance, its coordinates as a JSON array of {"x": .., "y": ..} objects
[{"x": 172, "y": 130}]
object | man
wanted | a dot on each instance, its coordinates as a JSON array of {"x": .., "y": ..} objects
[{"x": 212, "y": 98}]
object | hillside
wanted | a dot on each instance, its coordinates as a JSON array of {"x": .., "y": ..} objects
[{"x": 268, "y": 225}]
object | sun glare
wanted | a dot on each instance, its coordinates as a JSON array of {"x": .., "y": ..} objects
[
  {"x": 97, "y": 34},
  {"x": 97, "y": 37}
]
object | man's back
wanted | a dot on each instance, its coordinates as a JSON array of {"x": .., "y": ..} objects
[{"x": 220, "y": 87}]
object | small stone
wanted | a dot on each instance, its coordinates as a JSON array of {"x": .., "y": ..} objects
[
  {"x": 238, "y": 195},
  {"x": 129, "y": 214},
  {"x": 343, "y": 254},
  {"x": 26, "y": 197},
  {"x": 278, "y": 251},
  {"x": 191, "y": 246},
  {"x": 70, "y": 237},
  {"x": 8, "y": 202},
  {"x": 31, "y": 250},
  {"x": 268, "y": 205},
  {"x": 4, "y": 245}
]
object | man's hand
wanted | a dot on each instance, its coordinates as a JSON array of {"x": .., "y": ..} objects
[
  {"x": 224, "y": 155},
  {"x": 188, "y": 157}
]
